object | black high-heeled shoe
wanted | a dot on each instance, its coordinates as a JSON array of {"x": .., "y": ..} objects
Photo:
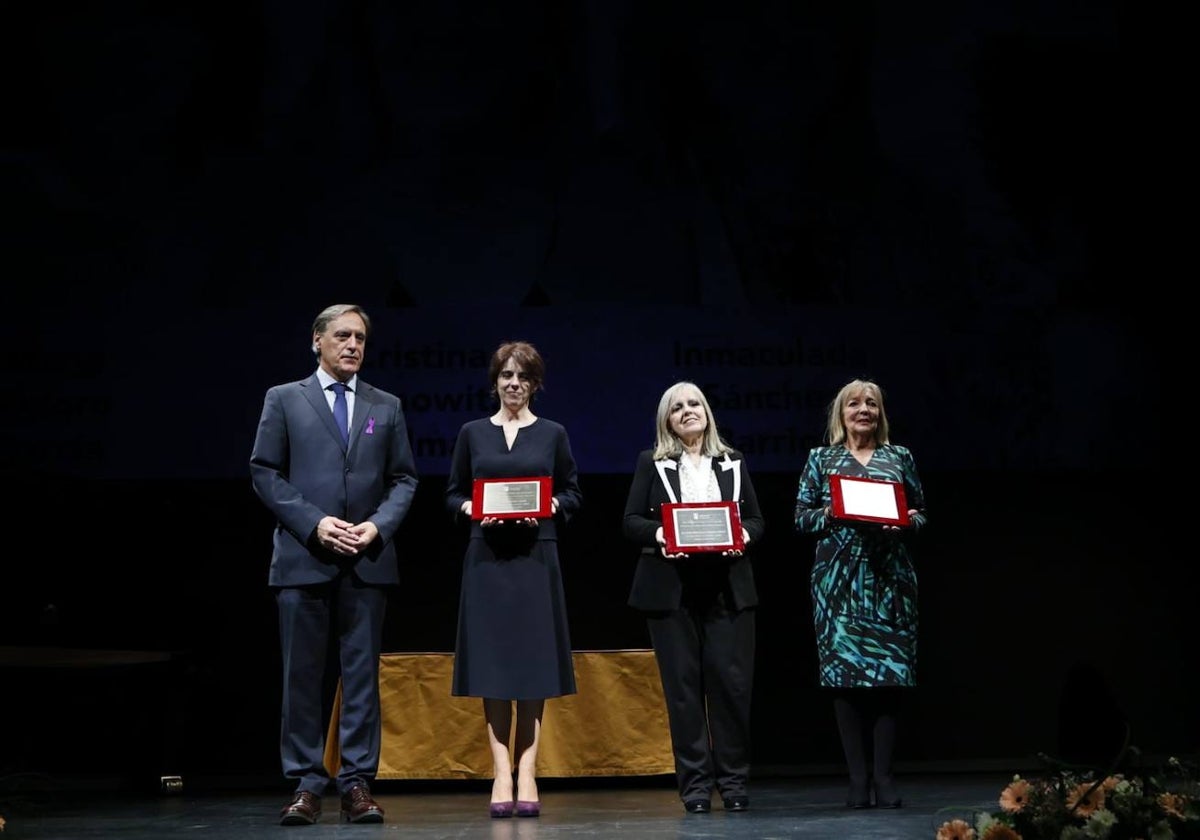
[
  {"x": 886, "y": 795},
  {"x": 859, "y": 795},
  {"x": 736, "y": 803}
]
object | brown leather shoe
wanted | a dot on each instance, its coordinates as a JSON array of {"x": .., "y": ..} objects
[
  {"x": 305, "y": 809},
  {"x": 359, "y": 807}
]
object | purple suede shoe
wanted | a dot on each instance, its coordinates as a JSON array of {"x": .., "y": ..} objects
[
  {"x": 498, "y": 810},
  {"x": 528, "y": 809}
]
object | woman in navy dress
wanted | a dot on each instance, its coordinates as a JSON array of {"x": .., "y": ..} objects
[
  {"x": 513, "y": 643},
  {"x": 864, "y": 588}
]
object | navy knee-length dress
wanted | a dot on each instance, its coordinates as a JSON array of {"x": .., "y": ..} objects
[{"x": 513, "y": 640}]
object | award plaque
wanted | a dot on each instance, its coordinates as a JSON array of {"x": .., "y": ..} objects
[
  {"x": 702, "y": 526},
  {"x": 512, "y": 498},
  {"x": 869, "y": 500}
]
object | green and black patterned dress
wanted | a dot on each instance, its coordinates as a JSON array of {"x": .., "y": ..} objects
[{"x": 864, "y": 586}]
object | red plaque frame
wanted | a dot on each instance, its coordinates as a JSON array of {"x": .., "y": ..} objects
[
  {"x": 869, "y": 500},
  {"x": 484, "y": 488},
  {"x": 677, "y": 543}
]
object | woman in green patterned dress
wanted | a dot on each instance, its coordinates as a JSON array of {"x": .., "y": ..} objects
[{"x": 864, "y": 588}]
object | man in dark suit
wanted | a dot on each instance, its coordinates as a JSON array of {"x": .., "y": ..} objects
[{"x": 332, "y": 462}]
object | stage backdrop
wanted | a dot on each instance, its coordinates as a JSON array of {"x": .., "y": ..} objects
[{"x": 178, "y": 394}]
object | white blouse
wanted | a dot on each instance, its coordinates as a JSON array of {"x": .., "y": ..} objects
[{"x": 698, "y": 483}]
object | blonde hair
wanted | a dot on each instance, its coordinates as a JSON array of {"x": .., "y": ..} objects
[
  {"x": 835, "y": 430},
  {"x": 667, "y": 443}
]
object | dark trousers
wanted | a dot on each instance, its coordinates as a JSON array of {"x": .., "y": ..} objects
[
  {"x": 350, "y": 614},
  {"x": 705, "y": 655}
]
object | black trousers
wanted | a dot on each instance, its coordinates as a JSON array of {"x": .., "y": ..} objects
[{"x": 705, "y": 655}]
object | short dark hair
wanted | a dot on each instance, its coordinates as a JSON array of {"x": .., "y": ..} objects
[{"x": 524, "y": 354}]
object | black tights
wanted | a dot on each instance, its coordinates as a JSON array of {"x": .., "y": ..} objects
[{"x": 867, "y": 718}]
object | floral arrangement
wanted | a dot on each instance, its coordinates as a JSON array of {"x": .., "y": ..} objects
[{"x": 1082, "y": 805}]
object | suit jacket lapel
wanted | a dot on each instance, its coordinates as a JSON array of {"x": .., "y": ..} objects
[
  {"x": 668, "y": 472},
  {"x": 362, "y": 408},
  {"x": 729, "y": 477}
]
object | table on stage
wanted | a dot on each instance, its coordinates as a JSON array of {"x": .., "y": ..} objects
[{"x": 615, "y": 725}]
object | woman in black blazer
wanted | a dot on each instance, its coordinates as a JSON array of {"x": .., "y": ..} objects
[{"x": 699, "y": 607}]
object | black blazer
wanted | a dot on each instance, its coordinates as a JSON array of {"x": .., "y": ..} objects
[{"x": 658, "y": 582}]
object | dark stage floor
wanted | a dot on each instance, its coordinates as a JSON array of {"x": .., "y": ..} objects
[{"x": 810, "y": 807}]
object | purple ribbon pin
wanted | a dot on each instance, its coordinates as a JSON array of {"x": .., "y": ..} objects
[{"x": 370, "y": 430}]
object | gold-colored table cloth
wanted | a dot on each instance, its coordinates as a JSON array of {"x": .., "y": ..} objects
[{"x": 615, "y": 725}]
